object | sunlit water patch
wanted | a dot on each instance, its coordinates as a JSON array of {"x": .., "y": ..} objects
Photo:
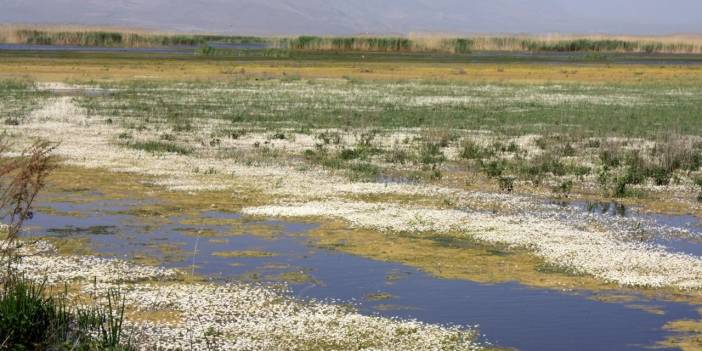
[{"x": 225, "y": 246}]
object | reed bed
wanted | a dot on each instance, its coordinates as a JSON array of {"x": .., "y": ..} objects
[
  {"x": 110, "y": 37},
  {"x": 119, "y": 37},
  {"x": 460, "y": 45}
]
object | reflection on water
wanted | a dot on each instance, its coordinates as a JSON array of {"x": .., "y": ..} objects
[{"x": 226, "y": 246}]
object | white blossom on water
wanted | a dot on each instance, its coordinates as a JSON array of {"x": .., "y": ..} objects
[
  {"x": 89, "y": 142},
  {"x": 234, "y": 316},
  {"x": 599, "y": 253}
]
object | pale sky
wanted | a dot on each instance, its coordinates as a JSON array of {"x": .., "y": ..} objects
[{"x": 369, "y": 16}]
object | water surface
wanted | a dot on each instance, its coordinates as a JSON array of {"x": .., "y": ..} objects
[{"x": 508, "y": 314}]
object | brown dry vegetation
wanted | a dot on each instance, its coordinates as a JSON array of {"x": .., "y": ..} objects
[{"x": 189, "y": 69}]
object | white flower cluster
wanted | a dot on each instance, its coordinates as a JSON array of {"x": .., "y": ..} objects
[
  {"x": 247, "y": 317},
  {"x": 39, "y": 263},
  {"x": 88, "y": 142},
  {"x": 234, "y": 316}
]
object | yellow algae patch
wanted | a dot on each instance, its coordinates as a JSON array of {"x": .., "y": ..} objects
[
  {"x": 243, "y": 254},
  {"x": 451, "y": 259},
  {"x": 145, "y": 260},
  {"x": 296, "y": 277},
  {"x": 688, "y": 335},
  {"x": 55, "y": 212},
  {"x": 379, "y": 296},
  {"x": 647, "y": 308},
  {"x": 71, "y": 246},
  {"x": 158, "y": 201},
  {"x": 200, "y": 233},
  {"x": 218, "y": 241}
]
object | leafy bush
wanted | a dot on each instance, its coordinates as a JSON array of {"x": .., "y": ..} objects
[
  {"x": 564, "y": 188},
  {"x": 493, "y": 168},
  {"x": 361, "y": 152},
  {"x": 609, "y": 157},
  {"x": 161, "y": 147},
  {"x": 507, "y": 184},
  {"x": 698, "y": 181},
  {"x": 329, "y": 138},
  {"x": 472, "y": 151},
  {"x": 660, "y": 175},
  {"x": 430, "y": 154},
  {"x": 397, "y": 155},
  {"x": 364, "y": 171}
]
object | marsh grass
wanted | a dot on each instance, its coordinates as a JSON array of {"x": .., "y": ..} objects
[
  {"x": 280, "y": 46},
  {"x": 109, "y": 37},
  {"x": 466, "y": 45},
  {"x": 18, "y": 98},
  {"x": 511, "y": 109},
  {"x": 32, "y": 317},
  {"x": 160, "y": 147}
]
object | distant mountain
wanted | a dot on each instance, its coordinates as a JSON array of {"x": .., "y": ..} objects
[{"x": 263, "y": 17}]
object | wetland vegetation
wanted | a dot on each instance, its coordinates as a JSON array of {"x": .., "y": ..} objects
[
  {"x": 245, "y": 183},
  {"x": 116, "y": 37}
]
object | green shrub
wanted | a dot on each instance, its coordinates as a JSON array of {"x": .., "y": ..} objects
[
  {"x": 660, "y": 175},
  {"x": 472, "y": 151},
  {"x": 397, "y": 155},
  {"x": 167, "y": 137},
  {"x": 279, "y": 136},
  {"x": 506, "y": 184},
  {"x": 493, "y": 168},
  {"x": 593, "y": 144},
  {"x": 513, "y": 147},
  {"x": 430, "y": 154},
  {"x": 609, "y": 157},
  {"x": 349, "y": 154},
  {"x": 564, "y": 188},
  {"x": 161, "y": 147},
  {"x": 543, "y": 164},
  {"x": 361, "y": 152},
  {"x": 581, "y": 171},
  {"x": 330, "y": 138},
  {"x": 436, "y": 174},
  {"x": 698, "y": 181},
  {"x": 366, "y": 138},
  {"x": 620, "y": 187},
  {"x": 364, "y": 171}
]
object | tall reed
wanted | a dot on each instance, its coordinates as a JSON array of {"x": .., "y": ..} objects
[{"x": 117, "y": 37}]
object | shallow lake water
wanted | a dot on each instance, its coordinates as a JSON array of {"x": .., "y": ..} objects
[
  {"x": 509, "y": 314},
  {"x": 679, "y": 233},
  {"x": 476, "y": 57}
]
